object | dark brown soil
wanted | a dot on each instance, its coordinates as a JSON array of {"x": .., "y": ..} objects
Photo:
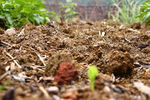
[
  {"x": 121, "y": 52},
  {"x": 118, "y": 63}
]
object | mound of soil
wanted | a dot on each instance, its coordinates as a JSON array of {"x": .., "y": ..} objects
[
  {"x": 118, "y": 63},
  {"x": 30, "y": 59}
]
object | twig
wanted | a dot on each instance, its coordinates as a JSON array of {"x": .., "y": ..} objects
[
  {"x": 4, "y": 43},
  {"x": 40, "y": 58},
  {"x": 38, "y": 54},
  {"x": 4, "y": 75},
  {"x": 132, "y": 30},
  {"x": 13, "y": 59},
  {"x": 44, "y": 91}
]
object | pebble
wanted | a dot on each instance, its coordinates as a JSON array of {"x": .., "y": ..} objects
[
  {"x": 53, "y": 89},
  {"x": 55, "y": 97},
  {"x": 117, "y": 90},
  {"x": 90, "y": 38},
  {"x": 10, "y": 31},
  {"x": 107, "y": 89}
]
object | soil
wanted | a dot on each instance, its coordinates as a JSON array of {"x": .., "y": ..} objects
[{"x": 32, "y": 58}]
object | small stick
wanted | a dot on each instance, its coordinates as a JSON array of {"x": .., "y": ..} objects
[
  {"x": 5, "y": 43},
  {"x": 44, "y": 91},
  {"x": 13, "y": 59},
  {"x": 40, "y": 58},
  {"x": 38, "y": 54},
  {"x": 4, "y": 75}
]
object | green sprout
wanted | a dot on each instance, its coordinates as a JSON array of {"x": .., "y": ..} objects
[{"x": 92, "y": 73}]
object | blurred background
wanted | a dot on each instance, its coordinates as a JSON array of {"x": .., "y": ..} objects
[{"x": 94, "y": 10}]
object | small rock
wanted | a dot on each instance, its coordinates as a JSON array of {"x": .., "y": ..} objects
[
  {"x": 53, "y": 89},
  {"x": 107, "y": 89},
  {"x": 103, "y": 34},
  {"x": 9, "y": 95},
  {"x": 10, "y": 31},
  {"x": 141, "y": 46},
  {"x": 117, "y": 90},
  {"x": 55, "y": 97},
  {"x": 90, "y": 38}
]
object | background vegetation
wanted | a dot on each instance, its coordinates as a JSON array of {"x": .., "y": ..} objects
[
  {"x": 18, "y": 12},
  {"x": 145, "y": 12}
]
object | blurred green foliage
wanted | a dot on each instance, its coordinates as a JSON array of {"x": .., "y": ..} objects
[
  {"x": 69, "y": 10},
  {"x": 145, "y": 12},
  {"x": 18, "y": 12},
  {"x": 127, "y": 11}
]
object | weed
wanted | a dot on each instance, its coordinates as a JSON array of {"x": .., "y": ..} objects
[{"x": 92, "y": 73}]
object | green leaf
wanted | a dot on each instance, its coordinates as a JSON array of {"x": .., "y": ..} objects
[
  {"x": 68, "y": 10},
  {"x": 92, "y": 73},
  {"x": 9, "y": 19},
  {"x": 2, "y": 17},
  {"x": 145, "y": 12}
]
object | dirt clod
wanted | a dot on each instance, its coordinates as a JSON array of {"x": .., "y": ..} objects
[
  {"x": 66, "y": 73},
  {"x": 119, "y": 63},
  {"x": 54, "y": 62},
  {"x": 2, "y": 31}
]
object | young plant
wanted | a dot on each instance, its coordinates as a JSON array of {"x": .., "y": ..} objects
[
  {"x": 145, "y": 12},
  {"x": 92, "y": 73},
  {"x": 69, "y": 10},
  {"x": 127, "y": 11},
  {"x": 18, "y": 12}
]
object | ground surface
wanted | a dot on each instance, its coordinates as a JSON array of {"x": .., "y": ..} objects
[{"x": 30, "y": 59}]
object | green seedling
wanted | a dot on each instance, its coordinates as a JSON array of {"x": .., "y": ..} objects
[{"x": 92, "y": 73}]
